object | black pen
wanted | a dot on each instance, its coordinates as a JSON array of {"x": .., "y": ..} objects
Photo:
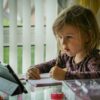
[{"x": 23, "y": 79}]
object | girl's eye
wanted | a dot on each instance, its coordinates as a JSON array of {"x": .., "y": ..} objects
[
  {"x": 68, "y": 37},
  {"x": 65, "y": 37}
]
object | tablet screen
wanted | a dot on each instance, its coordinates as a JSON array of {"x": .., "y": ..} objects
[{"x": 7, "y": 73}]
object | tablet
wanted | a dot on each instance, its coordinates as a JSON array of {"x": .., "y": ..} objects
[{"x": 9, "y": 82}]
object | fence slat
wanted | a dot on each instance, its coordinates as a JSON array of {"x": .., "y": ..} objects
[
  {"x": 36, "y": 36},
  {"x": 51, "y": 13},
  {"x": 26, "y": 57},
  {"x": 13, "y": 34},
  {"x": 39, "y": 31},
  {"x": 1, "y": 30}
]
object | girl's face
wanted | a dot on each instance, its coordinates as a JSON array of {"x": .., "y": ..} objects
[{"x": 70, "y": 40}]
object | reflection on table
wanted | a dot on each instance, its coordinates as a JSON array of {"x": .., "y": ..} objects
[
  {"x": 72, "y": 89},
  {"x": 82, "y": 89},
  {"x": 38, "y": 89}
]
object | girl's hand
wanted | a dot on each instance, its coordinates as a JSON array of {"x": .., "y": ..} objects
[
  {"x": 65, "y": 69},
  {"x": 33, "y": 73},
  {"x": 1, "y": 98},
  {"x": 57, "y": 73}
]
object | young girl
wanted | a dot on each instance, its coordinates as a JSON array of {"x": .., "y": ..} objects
[{"x": 77, "y": 31}]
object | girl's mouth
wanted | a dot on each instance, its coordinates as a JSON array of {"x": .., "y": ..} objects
[{"x": 66, "y": 50}]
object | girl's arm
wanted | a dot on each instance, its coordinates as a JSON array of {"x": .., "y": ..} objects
[
  {"x": 82, "y": 75},
  {"x": 45, "y": 67},
  {"x": 93, "y": 67},
  {"x": 35, "y": 71}
]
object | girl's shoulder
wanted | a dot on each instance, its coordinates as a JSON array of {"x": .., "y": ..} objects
[
  {"x": 96, "y": 54},
  {"x": 94, "y": 57}
]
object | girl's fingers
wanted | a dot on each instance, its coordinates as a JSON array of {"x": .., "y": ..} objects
[
  {"x": 32, "y": 74},
  {"x": 50, "y": 73},
  {"x": 1, "y": 98}
]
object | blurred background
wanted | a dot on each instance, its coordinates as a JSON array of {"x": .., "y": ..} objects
[{"x": 26, "y": 36}]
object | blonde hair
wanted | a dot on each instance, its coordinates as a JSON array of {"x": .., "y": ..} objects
[{"x": 83, "y": 19}]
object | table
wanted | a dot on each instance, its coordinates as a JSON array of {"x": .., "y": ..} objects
[
  {"x": 35, "y": 93},
  {"x": 72, "y": 89},
  {"x": 82, "y": 89},
  {"x": 41, "y": 90}
]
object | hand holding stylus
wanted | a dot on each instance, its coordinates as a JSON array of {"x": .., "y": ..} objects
[
  {"x": 56, "y": 72},
  {"x": 33, "y": 73}
]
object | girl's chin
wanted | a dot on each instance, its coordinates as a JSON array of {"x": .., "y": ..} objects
[{"x": 69, "y": 54}]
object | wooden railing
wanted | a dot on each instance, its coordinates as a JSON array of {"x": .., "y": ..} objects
[{"x": 27, "y": 36}]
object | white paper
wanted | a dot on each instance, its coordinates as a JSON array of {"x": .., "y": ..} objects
[{"x": 45, "y": 79}]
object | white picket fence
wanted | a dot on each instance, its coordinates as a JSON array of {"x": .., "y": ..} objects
[{"x": 26, "y": 36}]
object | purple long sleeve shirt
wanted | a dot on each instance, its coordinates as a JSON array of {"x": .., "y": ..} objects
[{"x": 88, "y": 68}]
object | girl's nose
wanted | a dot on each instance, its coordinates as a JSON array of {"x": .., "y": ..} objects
[{"x": 64, "y": 41}]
